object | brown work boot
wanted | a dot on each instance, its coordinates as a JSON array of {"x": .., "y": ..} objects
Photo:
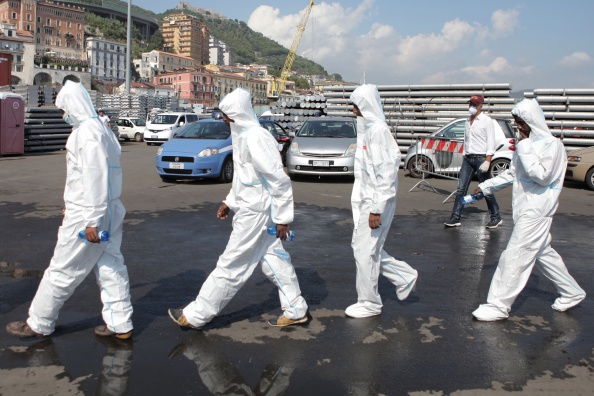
[
  {"x": 104, "y": 331},
  {"x": 283, "y": 321},
  {"x": 22, "y": 329},
  {"x": 177, "y": 315}
]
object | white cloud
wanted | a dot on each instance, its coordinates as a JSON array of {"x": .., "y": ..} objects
[
  {"x": 386, "y": 57},
  {"x": 504, "y": 22},
  {"x": 577, "y": 60}
]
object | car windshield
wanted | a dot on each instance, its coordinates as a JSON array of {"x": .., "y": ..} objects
[
  {"x": 328, "y": 129},
  {"x": 164, "y": 119},
  {"x": 205, "y": 130},
  {"x": 138, "y": 121}
]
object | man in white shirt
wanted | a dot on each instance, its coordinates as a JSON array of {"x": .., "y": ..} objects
[
  {"x": 479, "y": 147},
  {"x": 104, "y": 118}
]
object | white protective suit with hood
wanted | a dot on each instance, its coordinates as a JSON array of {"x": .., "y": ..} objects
[
  {"x": 536, "y": 173},
  {"x": 261, "y": 196},
  {"x": 91, "y": 199},
  {"x": 377, "y": 160}
]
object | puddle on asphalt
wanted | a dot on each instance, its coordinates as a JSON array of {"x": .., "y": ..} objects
[{"x": 13, "y": 270}]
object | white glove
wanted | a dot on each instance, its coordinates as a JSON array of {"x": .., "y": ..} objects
[{"x": 485, "y": 166}]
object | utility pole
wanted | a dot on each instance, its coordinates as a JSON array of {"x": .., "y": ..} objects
[{"x": 129, "y": 47}]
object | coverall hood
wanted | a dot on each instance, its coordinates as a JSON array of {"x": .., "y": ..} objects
[
  {"x": 530, "y": 111},
  {"x": 367, "y": 99},
  {"x": 74, "y": 99},
  {"x": 237, "y": 105}
]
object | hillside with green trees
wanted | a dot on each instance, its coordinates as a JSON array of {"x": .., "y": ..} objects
[{"x": 247, "y": 45}]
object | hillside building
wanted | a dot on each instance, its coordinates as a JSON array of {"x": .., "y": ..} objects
[
  {"x": 107, "y": 59},
  {"x": 17, "y": 45},
  {"x": 155, "y": 62},
  {"x": 186, "y": 35},
  {"x": 58, "y": 28}
]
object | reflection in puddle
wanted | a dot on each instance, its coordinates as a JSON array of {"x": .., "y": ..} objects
[{"x": 222, "y": 378}]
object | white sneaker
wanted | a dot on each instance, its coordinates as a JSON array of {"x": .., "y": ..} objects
[
  {"x": 562, "y": 304},
  {"x": 488, "y": 313},
  {"x": 403, "y": 291},
  {"x": 360, "y": 311}
]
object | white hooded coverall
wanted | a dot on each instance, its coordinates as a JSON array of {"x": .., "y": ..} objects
[
  {"x": 261, "y": 196},
  {"x": 91, "y": 199},
  {"x": 536, "y": 173},
  {"x": 377, "y": 160}
]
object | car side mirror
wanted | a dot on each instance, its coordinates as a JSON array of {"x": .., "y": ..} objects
[
  {"x": 292, "y": 134},
  {"x": 181, "y": 123}
]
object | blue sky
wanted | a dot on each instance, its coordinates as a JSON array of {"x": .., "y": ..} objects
[{"x": 530, "y": 43}]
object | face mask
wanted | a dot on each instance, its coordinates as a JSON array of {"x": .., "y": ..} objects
[
  {"x": 67, "y": 119},
  {"x": 472, "y": 110}
]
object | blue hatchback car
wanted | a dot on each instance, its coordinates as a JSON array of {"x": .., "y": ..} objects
[{"x": 199, "y": 150}]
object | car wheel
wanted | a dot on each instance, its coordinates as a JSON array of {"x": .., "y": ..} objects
[
  {"x": 227, "y": 171},
  {"x": 590, "y": 179},
  {"x": 417, "y": 166},
  {"x": 498, "y": 166},
  {"x": 138, "y": 137},
  {"x": 167, "y": 179},
  {"x": 126, "y": 139},
  {"x": 149, "y": 144},
  {"x": 293, "y": 176}
]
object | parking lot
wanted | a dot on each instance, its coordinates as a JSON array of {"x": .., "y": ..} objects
[{"x": 428, "y": 344}]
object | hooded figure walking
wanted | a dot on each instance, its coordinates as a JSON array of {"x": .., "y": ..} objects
[
  {"x": 537, "y": 171},
  {"x": 377, "y": 160},
  {"x": 91, "y": 203},
  {"x": 261, "y": 196}
]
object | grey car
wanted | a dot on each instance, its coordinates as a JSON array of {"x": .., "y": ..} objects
[
  {"x": 323, "y": 146},
  {"x": 426, "y": 159}
]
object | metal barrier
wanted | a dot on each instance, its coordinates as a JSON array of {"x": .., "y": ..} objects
[{"x": 438, "y": 156}]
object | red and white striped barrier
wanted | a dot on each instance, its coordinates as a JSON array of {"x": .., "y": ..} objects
[{"x": 442, "y": 145}]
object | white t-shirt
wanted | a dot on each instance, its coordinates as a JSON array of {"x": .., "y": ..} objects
[{"x": 105, "y": 119}]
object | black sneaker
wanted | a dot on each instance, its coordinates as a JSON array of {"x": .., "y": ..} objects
[
  {"x": 494, "y": 223},
  {"x": 453, "y": 222}
]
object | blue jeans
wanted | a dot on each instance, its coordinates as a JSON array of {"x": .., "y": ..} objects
[{"x": 469, "y": 166}]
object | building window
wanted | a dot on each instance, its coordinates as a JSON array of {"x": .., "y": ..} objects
[
  {"x": 14, "y": 15},
  {"x": 48, "y": 22}
]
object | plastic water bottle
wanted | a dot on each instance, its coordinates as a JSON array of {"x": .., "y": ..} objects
[
  {"x": 272, "y": 231},
  {"x": 103, "y": 235},
  {"x": 470, "y": 198}
]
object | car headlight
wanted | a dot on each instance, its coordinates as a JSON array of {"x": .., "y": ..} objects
[
  {"x": 207, "y": 152},
  {"x": 351, "y": 150},
  {"x": 574, "y": 159},
  {"x": 160, "y": 150},
  {"x": 294, "y": 149}
]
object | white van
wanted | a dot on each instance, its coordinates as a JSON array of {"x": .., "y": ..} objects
[
  {"x": 131, "y": 128},
  {"x": 163, "y": 126}
]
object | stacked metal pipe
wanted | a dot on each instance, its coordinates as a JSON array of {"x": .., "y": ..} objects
[
  {"x": 419, "y": 110},
  {"x": 569, "y": 114},
  {"x": 45, "y": 130},
  {"x": 292, "y": 111}
]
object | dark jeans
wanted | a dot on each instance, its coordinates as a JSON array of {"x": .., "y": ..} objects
[{"x": 469, "y": 166}]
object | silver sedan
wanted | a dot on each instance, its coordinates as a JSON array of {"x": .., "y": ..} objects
[{"x": 323, "y": 146}]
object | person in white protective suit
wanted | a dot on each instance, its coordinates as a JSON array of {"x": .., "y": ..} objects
[
  {"x": 377, "y": 160},
  {"x": 261, "y": 196},
  {"x": 536, "y": 173},
  {"x": 91, "y": 203}
]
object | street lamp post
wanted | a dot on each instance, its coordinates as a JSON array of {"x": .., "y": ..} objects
[{"x": 129, "y": 47}]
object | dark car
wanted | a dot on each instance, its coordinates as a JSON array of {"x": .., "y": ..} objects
[{"x": 281, "y": 136}]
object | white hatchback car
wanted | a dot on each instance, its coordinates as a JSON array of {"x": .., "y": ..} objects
[
  {"x": 164, "y": 126},
  {"x": 425, "y": 158},
  {"x": 131, "y": 128}
]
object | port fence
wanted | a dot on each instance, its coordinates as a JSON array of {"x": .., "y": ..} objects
[{"x": 436, "y": 156}]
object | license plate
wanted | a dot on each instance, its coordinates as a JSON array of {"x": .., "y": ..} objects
[
  {"x": 155, "y": 136},
  {"x": 321, "y": 163},
  {"x": 176, "y": 165}
]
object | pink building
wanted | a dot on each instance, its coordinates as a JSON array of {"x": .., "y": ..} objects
[{"x": 195, "y": 85}]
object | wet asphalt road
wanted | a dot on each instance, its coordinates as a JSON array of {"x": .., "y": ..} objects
[{"x": 428, "y": 344}]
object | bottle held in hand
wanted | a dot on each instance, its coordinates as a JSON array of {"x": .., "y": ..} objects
[
  {"x": 470, "y": 198},
  {"x": 272, "y": 231},
  {"x": 103, "y": 235}
]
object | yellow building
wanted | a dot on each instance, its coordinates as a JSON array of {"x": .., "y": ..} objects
[{"x": 186, "y": 35}]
